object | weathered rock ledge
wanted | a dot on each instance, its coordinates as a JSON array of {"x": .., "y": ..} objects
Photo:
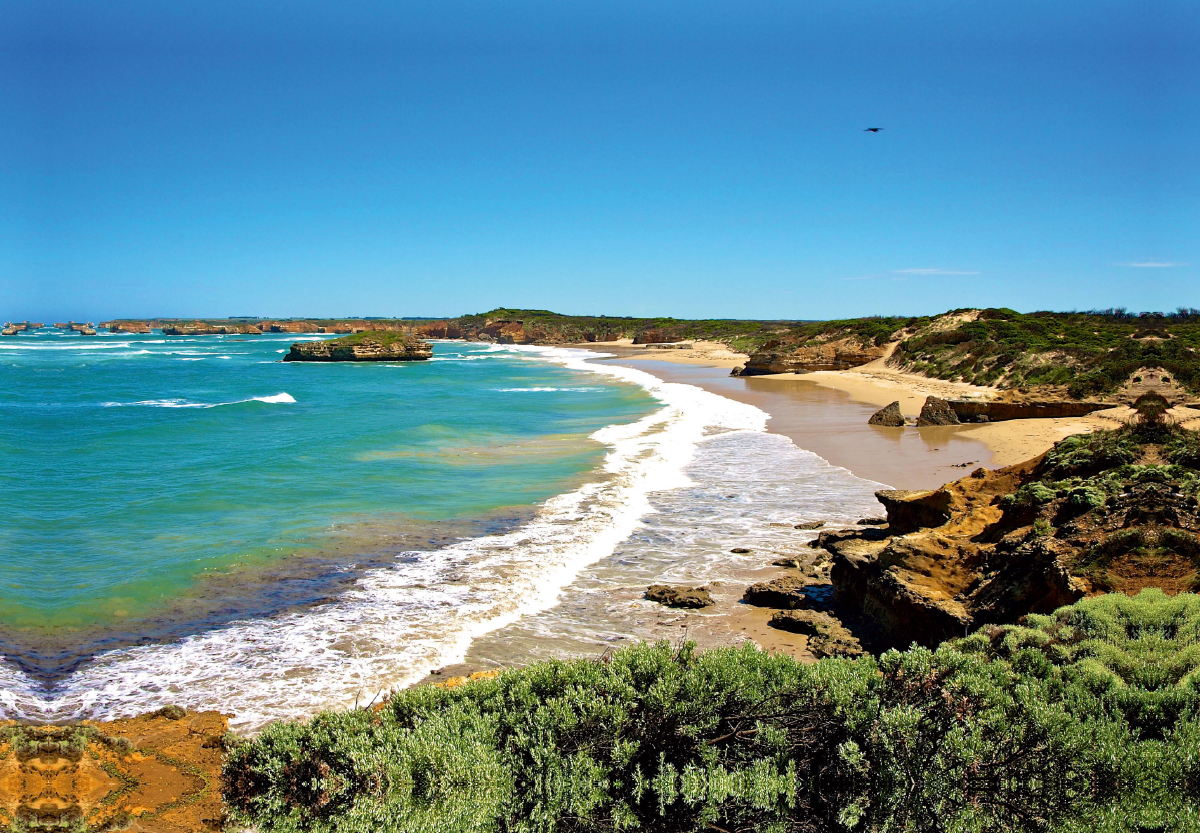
[{"x": 1109, "y": 511}]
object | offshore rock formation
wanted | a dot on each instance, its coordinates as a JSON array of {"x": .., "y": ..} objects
[
  {"x": 1107, "y": 511},
  {"x": 683, "y": 597},
  {"x": 362, "y": 347},
  {"x": 888, "y": 417}
]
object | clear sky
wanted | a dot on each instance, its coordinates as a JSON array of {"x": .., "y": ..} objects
[{"x": 692, "y": 158}]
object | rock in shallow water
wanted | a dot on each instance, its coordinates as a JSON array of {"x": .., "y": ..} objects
[
  {"x": 937, "y": 411},
  {"x": 786, "y": 593},
  {"x": 889, "y": 417},
  {"x": 685, "y": 597}
]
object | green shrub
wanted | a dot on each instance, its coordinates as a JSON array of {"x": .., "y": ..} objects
[{"x": 1074, "y": 721}]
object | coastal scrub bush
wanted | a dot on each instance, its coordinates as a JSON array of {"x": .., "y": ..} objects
[
  {"x": 657, "y": 738},
  {"x": 1087, "y": 454}
]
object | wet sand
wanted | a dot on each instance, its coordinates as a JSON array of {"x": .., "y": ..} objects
[
  {"x": 833, "y": 424},
  {"x": 827, "y": 412}
]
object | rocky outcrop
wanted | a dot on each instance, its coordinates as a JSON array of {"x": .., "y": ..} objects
[
  {"x": 653, "y": 337},
  {"x": 827, "y": 637},
  {"x": 786, "y": 593},
  {"x": 1108, "y": 511},
  {"x": 888, "y": 417},
  {"x": 200, "y": 328},
  {"x": 288, "y": 327},
  {"x": 936, "y": 411},
  {"x": 440, "y": 329},
  {"x": 836, "y": 354},
  {"x": 9, "y": 330},
  {"x": 363, "y": 347},
  {"x": 682, "y": 597},
  {"x": 910, "y": 510},
  {"x": 157, "y": 772}
]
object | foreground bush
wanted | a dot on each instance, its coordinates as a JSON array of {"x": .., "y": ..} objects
[{"x": 1086, "y": 719}]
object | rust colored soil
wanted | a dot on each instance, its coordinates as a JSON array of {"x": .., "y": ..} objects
[{"x": 150, "y": 773}]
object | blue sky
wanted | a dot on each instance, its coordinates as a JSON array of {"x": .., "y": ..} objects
[{"x": 694, "y": 159}]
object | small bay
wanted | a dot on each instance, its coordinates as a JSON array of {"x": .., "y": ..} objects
[{"x": 141, "y": 469}]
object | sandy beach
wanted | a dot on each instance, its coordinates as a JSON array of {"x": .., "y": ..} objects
[{"x": 875, "y": 385}]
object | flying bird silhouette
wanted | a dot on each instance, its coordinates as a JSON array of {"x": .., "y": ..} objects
[{"x": 872, "y": 129}]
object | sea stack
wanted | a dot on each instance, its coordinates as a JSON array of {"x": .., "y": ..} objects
[{"x": 369, "y": 346}]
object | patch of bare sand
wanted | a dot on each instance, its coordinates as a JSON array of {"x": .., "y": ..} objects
[
  {"x": 1017, "y": 440},
  {"x": 703, "y": 353}
]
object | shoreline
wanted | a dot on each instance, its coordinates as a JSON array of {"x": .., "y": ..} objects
[
  {"x": 877, "y": 385},
  {"x": 823, "y": 413}
]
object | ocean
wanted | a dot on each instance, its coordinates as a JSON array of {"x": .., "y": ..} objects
[{"x": 189, "y": 520}]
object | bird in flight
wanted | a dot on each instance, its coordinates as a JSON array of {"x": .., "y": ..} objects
[{"x": 872, "y": 130}]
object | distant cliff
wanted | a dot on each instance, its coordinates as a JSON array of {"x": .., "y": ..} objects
[
  {"x": 363, "y": 347},
  {"x": 523, "y": 326}
]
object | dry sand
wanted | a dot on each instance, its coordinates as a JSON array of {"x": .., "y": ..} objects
[{"x": 699, "y": 353}]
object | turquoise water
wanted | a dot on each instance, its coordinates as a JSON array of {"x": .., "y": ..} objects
[
  {"x": 138, "y": 465},
  {"x": 191, "y": 521}
]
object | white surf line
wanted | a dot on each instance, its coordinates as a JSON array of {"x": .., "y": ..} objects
[{"x": 391, "y": 629}]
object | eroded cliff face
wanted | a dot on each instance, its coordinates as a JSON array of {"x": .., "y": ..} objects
[
  {"x": 1110, "y": 511},
  {"x": 364, "y": 347},
  {"x": 199, "y": 328},
  {"x": 835, "y": 354}
]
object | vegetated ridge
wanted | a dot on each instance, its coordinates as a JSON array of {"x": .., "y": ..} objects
[
  {"x": 521, "y": 326},
  {"x": 1080, "y": 353}
]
